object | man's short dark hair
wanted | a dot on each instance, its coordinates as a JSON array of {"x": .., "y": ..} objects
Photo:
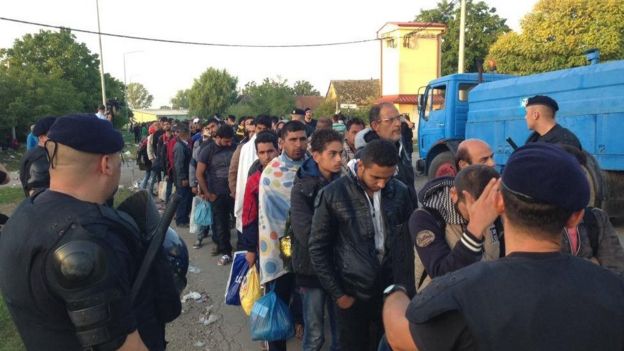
[
  {"x": 225, "y": 132},
  {"x": 101, "y": 107},
  {"x": 183, "y": 129},
  {"x": 541, "y": 220},
  {"x": 321, "y": 138},
  {"x": 323, "y": 122},
  {"x": 265, "y": 121},
  {"x": 244, "y": 119},
  {"x": 212, "y": 120},
  {"x": 355, "y": 121},
  {"x": 373, "y": 114},
  {"x": 290, "y": 127},
  {"x": 231, "y": 118},
  {"x": 274, "y": 120},
  {"x": 574, "y": 151},
  {"x": 380, "y": 152},
  {"x": 266, "y": 136},
  {"x": 474, "y": 179}
]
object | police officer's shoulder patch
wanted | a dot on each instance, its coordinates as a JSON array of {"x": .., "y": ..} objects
[{"x": 424, "y": 238}]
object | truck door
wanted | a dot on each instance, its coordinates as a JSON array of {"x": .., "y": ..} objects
[{"x": 432, "y": 126}]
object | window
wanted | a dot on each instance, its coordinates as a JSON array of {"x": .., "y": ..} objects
[
  {"x": 463, "y": 90},
  {"x": 390, "y": 43},
  {"x": 437, "y": 98}
]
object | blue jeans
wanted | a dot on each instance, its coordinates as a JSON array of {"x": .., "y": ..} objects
[
  {"x": 169, "y": 189},
  {"x": 156, "y": 177},
  {"x": 184, "y": 206},
  {"x": 314, "y": 302},
  {"x": 148, "y": 175}
]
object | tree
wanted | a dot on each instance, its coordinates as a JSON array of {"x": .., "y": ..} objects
[
  {"x": 213, "y": 92},
  {"x": 115, "y": 93},
  {"x": 483, "y": 27},
  {"x": 305, "y": 88},
  {"x": 180, "y": 100},
  {"x": 556, "y": 33},
  {"x": 58, "y": 56},
  {"x": 28, "y": 95},
  {"x": 138, "y": 96},
  {"x": 272, "y": 97}
]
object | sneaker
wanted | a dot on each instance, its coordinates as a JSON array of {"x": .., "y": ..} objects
[
  {"x": 224, "y": 260},
  {"x": 197, "y": 245}
]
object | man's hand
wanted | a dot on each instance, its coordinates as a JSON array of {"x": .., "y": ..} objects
[
  {"x": 194, "y": 190},
  {"x": 233, "y": 195},
  {"x": 209, "y": 197},
  {"x": 251, "y": 258},
  {"x": 482, "y": 211},
  {"x": 345, "y": 302}
]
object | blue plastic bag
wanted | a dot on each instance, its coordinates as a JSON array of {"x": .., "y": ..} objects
[
  {"x": 238, "y": 271},
  {"x": 270, "y": 319},
  {"x": 203, "y": 213}
]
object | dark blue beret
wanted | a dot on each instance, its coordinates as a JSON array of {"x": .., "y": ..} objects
[
  {"x": 43, "y": 125},
  {"x": 545, "y": 173},
  {"x": 543, "y": 100},
  {"x": 86, "y": 133},
  {"x": 298, "y": 111}
]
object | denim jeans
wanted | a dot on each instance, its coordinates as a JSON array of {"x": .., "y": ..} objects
[
  {"x": 314, "y": 302},
  {"x": 184, "y": 206},
  {"x": 360, "y": 326},
  {"x": 221, "y": 209},
  {"x": 148, "y": 175},
  {"x": 169, "y": 189},
  {"x": 156, "y": 177}
]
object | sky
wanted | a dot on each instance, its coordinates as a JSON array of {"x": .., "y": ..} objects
[{"x": 166, "y": 68}]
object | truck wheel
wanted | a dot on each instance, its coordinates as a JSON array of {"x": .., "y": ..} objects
[
  {"x": 594, "y": 176},
  {"x": 442, "y": 165}
]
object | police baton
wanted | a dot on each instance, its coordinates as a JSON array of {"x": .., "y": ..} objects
[
  {"x": 156, "y": 239},
  {"x": 512, "y": 143}
]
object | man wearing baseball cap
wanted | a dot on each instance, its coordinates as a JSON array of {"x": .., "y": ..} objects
[
  {"x": 68, "y": 262},
  {"x": 540, "y": 118},
  {"x": 535, "y": 298}
]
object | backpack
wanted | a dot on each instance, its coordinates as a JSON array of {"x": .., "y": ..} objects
[{"x": 141, "y": 155}]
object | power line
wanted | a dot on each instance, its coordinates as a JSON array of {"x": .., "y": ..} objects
[{"x": 171, "y": 41}]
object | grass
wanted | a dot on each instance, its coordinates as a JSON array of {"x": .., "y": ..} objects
[
  {"x": 9, "y": 338},
  {"x": 11, "y": 195},
  {"x": 11, "y": 158}
]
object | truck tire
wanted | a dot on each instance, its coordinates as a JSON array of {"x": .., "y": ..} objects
[
  {"x": 594, "y": 176},
  {"x": 443, "y": 164}
]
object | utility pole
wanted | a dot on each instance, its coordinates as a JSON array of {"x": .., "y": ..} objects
[
  {"x": 97, "y": 6},
  {"x": 462, "y": 35}
]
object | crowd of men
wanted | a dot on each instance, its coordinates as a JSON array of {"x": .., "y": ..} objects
[{"x": 479, "y": 260}]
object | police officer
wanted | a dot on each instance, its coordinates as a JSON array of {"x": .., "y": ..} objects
[
  {"x": 540, "y": 118},
  {"x": 66, "y": 277},
  {"x": 535, "y": 298},
  {"x": 34, "y": 174}
]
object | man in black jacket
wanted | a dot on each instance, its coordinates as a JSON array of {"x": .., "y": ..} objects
[
  {"x": 314, "y": 174},
  {"x": 34, "y": 168},
  {"x": 181, "y": 161},
  {"x": 357, "y": 219}
]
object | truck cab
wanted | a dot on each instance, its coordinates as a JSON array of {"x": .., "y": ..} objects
[{"x": 443, "y": 111}]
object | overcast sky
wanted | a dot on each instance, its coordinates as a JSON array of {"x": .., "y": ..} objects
[{"x": 166, "y": 68}]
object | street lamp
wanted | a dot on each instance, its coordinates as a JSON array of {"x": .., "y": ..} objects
[
  {"x": 125, "y": 83},
  {"x": 97, "y": 7}
]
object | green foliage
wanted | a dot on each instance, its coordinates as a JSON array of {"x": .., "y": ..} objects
[
  {"x": 138, "y": 96},
  {"x": 557, "y": 32},
  {"x": 27, "y": 95},
  {"x": 11, "y": 195},
  {"x": 305, "y": 88},
  {"x": 240, "y": 109},
  {"x": 213, "y": 92},
  {"x": 483, "y": 27},
  {"x": 326, "y": 109},
  {"x": 180, "y": 100},
  {"x": 273, "y": 97},
  {"x": 57, "y": 55}
]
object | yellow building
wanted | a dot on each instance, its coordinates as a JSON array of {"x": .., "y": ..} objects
[
  {"x": 150, "y": 115},
  {"x": 353, "y": 94},
  {"x": 410, "y": 58}
]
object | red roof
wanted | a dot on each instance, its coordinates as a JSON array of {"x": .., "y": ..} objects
[
  {"x": 410, "y": 99},
  {"x": 418, "y": 24}
]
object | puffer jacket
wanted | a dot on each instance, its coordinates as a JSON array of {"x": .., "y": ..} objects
[
  {"x": 342, "y": 238},
  {"x": 308, "y": 182}
]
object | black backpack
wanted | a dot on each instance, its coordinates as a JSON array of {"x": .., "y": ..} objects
[{"x": 593, "y": 229}]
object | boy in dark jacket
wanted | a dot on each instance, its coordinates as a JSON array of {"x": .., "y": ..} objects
[
  {"x": 314, "y": 174},
  {"x": 181, "y": 161},
  {"x": 357, "y": 219}
]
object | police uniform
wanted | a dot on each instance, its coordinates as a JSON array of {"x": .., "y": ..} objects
[
  {"x": 66, "y": 277},
  {"x": 557, "y": 134},
  {"x": 34, "y": 167},
  {"x": 526, "y": 300}
]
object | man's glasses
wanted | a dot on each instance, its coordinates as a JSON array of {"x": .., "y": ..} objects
[{"x": 390, "y": 120}]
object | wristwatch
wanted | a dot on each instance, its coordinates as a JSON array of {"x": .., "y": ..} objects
[{"x": 393, "y": 288}]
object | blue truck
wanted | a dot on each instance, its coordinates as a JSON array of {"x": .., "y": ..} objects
[{"x": 491, "y": 107}]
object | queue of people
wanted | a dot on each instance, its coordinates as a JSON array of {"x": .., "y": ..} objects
[{"x": 481, "y": 260}]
